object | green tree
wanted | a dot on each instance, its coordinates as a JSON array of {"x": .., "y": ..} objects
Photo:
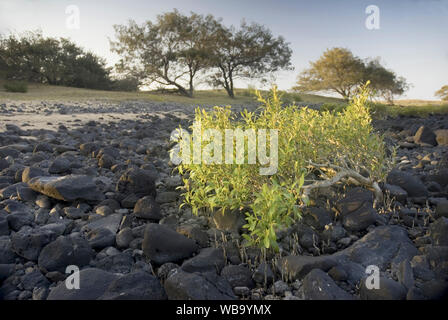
[
  {"x": 385, "y": 83},
  {"x": 171, "y": 51},
  {"x": 33, "y": 57},
  {"x": 443, "y": 93},
  {"x": 339, "y": 71},
  {"x": 248, "y": 52}
]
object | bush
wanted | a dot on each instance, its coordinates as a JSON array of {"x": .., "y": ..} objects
[
  {"x": 312, "y": 146},
  {"x": 125, "y": 84},
  {"x": 16, "y": 86}
]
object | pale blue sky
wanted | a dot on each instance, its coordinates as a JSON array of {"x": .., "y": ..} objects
[{"x": 412, "y": 39}]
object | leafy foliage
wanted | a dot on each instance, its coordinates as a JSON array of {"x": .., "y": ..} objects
[
  {"x": 443, "y": 93},
  {"x": 306, "y": 136},
  {"x": 339, "y": 71},
  {"x": 175, "y": 50},
  {"x": 16, "y": 86},
  {"x": 33, "y": 57}
]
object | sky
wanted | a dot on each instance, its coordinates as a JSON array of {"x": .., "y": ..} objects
[{"x": 411, "y": 39}]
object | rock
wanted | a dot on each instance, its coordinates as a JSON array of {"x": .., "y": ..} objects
[
  {"x": 165, "y": 269},
  {"x": 4, "y": 226},
  {"x": 135, "y": 286},
  {"x": 34, "y": 279},
  {"x": 439, "y": 232},
  {"x": 74, "y": 213},
  {"x": 65, "y": 251},
  {"x": 147, "y": 208},
  {"x": 195, "y": 233},
  {"x": 67, "y": 188},
  {"x": 317, "y": 218},
  {"x": 124, "y": 238},
  {"x": 118, "y": 263},
  {"x": 208, "y": 259},
  {"x": 32, "y": 172},
  {"x": 161, "y": 244},
  {"x": 442, "y": 209},
  {"x": 166, "y": 197},
  {"x": 361, "y": 218},
  {"x": 317, "y": 285},
  {"x": 17, "y": 220},
  {"x": 442, "y": 137},
  {"x": 111, "y": 222},
  {"x": 106, "y": 161},
  {"x": 183, "y": 285},
  {"x": 396, "y": 192},
  {"x": 100, "y": 238},
  {"x": 3, "y": 164},
  {"x": 6, "y": 254},
  {"x": 103, "y": 210},
  {"x": 93, "y": 283},
  {"x": 297, "y": 267},
  {"x": 263, "y": 274},
  {"x": 29, "y": 242},
  {"x": 383, "y": 246},
  {"x": 405, "y": 274},
  {"x": 413, "y": 185},
  {"x": 232, "y": 221},
  {"x": 238, "y": 276},
  {"x": 388, "y": 290},
  {"x": 59, "y": 165},
  {"x": 334, "y": 233},
  {"x": 136, "y": 181},
  {"x": 425, "y": 135},
  {"x": 6, "y": 270},
  {"x": 11, "y": 190}
]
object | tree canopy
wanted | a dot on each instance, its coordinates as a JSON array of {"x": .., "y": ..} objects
[
  {"x": 339, "y": 71},
  {"x": 33, "y": 57},
  {"x": 176, "y": 49},
  {"x": 443, "y": 93}
]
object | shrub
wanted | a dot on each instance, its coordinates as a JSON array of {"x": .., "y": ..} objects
[
  {"x": 16, "y": 86},
  {"x": 314, "y": 148}
]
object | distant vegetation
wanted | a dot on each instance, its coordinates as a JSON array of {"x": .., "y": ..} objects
[
  {"x": 443, "y": 93},
  {"x": 175, "y": 50},
  {"x": 339, "y": 71}
]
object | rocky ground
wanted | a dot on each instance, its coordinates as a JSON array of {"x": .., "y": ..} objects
[{"x": 91, "y": 185}]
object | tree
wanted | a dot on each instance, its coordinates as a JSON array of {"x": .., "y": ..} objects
[
  {"x": 339, "y": 71},
  {"x": 33, "y": 57},
  {"x": 170, "y": 52},
  {"x": 385, "y": 83},
  {"x": 443, "y": 93},
  {"x": 249, "y": 52}
]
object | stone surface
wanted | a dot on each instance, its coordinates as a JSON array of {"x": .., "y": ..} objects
[
  {"x": 161, "y": 244},
  {"x": 67, "y": 188}
]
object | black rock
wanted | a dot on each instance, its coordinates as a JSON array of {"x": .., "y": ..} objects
[
  {"x": 147, "y": 208},
  {"x": 136, "y": 181},
  {"x": 424, "y": 135},
  {"x": 317, "y": 285},
  {"x": 65, "y": 251},
  {"x": 193, "y": 286},
  {"x": 6, "y": 254},
  {"x": 263, "y": 274},
  {"x": 413, "y": 185},
  {"x": 238, "y": 276},
  {"x": 34, "y": 279},
  {"x": 297, "y": 267},
  {"x": 67, "y": 188},
  {"x": 439, "y": 232},
  {"x": 208, "y": 259},
  {"x": 93, "y": 283},
  {"x": 388, "y": 290},
  {"x": 17, "y": 220},
  {"x": 161, "y": 244},
  {"x": 28, "y": 242},
  {"x": 138, "y": 285},
  {"x": 100, "y": 238}
]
